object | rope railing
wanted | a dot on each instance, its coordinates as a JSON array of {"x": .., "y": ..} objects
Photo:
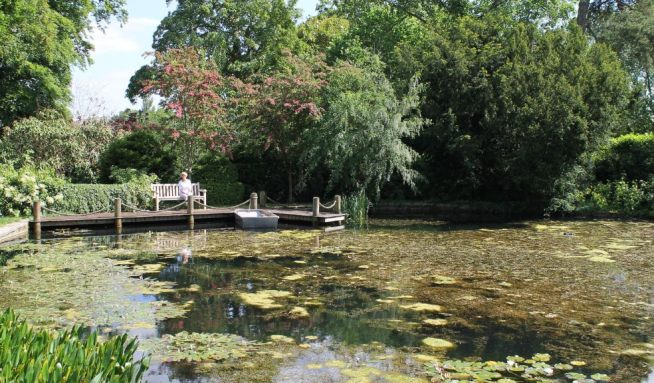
[
  {"x": 105, "y": 210},
  {"x": 246, "y": 202},
  {"x": 137, "y": 209},
  {"x": 288, "y": 206}
]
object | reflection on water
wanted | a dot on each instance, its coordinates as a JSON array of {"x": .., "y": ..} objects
[{"x": 360, "y": 303}]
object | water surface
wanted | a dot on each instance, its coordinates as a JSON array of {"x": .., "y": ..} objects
[{"x": 351, "y": 306}]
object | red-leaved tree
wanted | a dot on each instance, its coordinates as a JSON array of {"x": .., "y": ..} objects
[
  {"x": 282, "y": 108},
  {"x": 200, "y": 99}
]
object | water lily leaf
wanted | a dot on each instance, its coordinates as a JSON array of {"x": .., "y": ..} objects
[{"x": 601, "y": 377}]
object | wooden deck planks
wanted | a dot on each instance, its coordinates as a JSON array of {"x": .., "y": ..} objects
[{"x": 129, "y": 218}]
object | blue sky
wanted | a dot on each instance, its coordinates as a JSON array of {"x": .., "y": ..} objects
[{"x": 100, "y": 88}]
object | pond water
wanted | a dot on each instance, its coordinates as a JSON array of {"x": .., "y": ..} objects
[{"x": 404, "y": 301}]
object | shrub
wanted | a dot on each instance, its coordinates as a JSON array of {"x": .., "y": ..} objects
[
  {"x": 88, "y": 198},
  {"x": 629, "y": 157},
  {"x": 19, "y": 188},
  {"x": 143, "y": 150},
  {"x": 220, "y": 177},
  {"x": 28, "y": 355},
  {"x": 626, "y": 197},
  {"x": 50, "y": 140}
]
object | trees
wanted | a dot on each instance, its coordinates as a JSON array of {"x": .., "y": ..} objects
[
  {"x": 41, "y": 39},
  {"x": 241, "y": 36},
  {"x": 513, "y": 109},
  {"x": 282, "y": 108},
  {"x": 197, "y": 96},
  {"x": 361, "y": 135}
]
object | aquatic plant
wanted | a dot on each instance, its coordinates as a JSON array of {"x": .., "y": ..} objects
[
  {"x": 192, "y": 346},
  {"x": 516, "y": 369},
  {"x": 28, "y": 355},
  {"x": 356, "y": 207}
]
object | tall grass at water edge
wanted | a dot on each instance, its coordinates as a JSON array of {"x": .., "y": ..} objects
[{"x": 356, "y": 206}]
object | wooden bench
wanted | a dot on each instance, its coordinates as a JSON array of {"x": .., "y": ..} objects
[{"x": 170, "y": 192}]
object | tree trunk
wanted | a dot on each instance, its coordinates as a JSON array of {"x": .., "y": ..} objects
[
  {"x": 582, "y": 14},
  {"x": 290, "y": 187}
]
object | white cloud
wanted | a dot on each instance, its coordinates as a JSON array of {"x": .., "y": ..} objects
[{"x": 130, "y": 38}]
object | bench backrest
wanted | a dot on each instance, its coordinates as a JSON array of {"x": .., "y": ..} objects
[{"x": 171, "y": 190}]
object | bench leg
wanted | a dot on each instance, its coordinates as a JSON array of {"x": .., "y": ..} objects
[
  {"x": 156, "y": 204},
  {"x": 204, "y": 201}
]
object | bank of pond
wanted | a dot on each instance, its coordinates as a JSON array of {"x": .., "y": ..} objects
[{"x": 402, "y": 301}]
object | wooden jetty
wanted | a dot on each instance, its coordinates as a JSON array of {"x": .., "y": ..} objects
[{"x": 188, "y": 217}]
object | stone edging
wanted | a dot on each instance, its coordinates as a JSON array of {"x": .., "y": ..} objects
[{"x": 14, "y": 231}]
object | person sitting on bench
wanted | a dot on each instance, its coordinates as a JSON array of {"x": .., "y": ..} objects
[{"x": 184, "y": 186}]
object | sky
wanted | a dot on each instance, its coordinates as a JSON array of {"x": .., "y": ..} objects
[{"x": 100, "y": 88}]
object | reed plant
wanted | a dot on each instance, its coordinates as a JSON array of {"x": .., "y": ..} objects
[
  {"x": 28, "y": 355},
  {"x": 356, "y": 206}
]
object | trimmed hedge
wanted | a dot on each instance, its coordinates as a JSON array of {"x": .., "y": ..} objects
[
  {"x": 629, "y": 157},
  {"x": 88, "y": 198},
  {"x": 220, "y": 177},
  {"x": 40, "y": 356}
]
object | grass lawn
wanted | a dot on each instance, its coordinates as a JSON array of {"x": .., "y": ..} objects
[{"x": 7, "y": 220}]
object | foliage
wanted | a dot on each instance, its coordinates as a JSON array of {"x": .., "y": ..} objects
[
  {"x": 198, "y": 98},
  {"x": 241, "y": 37},
  {"x": 356, "y": 207},
  {"x": 513, "y": 108},
  {"x": 40, "y": 41},
  {"x": 129, "y": 175},
  {"x": 29, "y": 355},
  {"x": 361, "y": 135},
  {"x": 220, "y": 177},
  {"x": 72, "y": 149},
  {"x": 88, "y": 198},
  {"x": 515, "y": 369},
  {"x": 282, "y": 109},
  {"x": 629, "y": 157},
  {"x": 630, "y": 32},
  {"x": 144, "y": 150},
  {"x": 19, "y": 188}
]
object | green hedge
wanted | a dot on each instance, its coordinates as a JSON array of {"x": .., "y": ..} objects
[
  {"x": 30, "y": 356},
  {"x": 629, "y": 157},
  {"x": 220, "y": 177},
  {"x": 87, "y": 198}
]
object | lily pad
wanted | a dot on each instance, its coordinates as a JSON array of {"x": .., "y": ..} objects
[
  {"x": 437, "y": 343},
  {"x": 422, "y": 307}
]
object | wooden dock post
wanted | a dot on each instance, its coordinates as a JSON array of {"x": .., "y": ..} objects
[
  {"x": 36, "y": 213},
  {"x": 315, "y": 210},
  {"x": 262, "y": 199},
  {"x": 253, "y": 200},
  {"x": 337, "y": 207},
  {"x": 190, "y": 201},
  {"x": 118, "y": 215}
]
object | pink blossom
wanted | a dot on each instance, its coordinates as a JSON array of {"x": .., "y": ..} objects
[{"x": 175, "y": 134}]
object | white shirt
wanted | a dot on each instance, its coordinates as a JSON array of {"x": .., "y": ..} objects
[{"x": 185, "y": 188}]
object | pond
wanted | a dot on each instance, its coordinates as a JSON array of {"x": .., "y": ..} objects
[{"x": 404, "y": 301}]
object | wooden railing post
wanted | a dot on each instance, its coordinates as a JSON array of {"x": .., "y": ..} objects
[
  {"x": 337, "y": 206},
  {"x": 118, "y": 215},
  {"x": 190, "y": 201},
  {"x": 315, "y": 210},
  {"x": 262, "y": 199},
  {"x": 253, "y": 200},
  {"x": 36, "y": 213}
]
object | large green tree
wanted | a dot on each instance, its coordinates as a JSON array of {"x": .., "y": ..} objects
[
  {"x": 41, "y": 40},
  {"x": 514, "y": 108}
]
